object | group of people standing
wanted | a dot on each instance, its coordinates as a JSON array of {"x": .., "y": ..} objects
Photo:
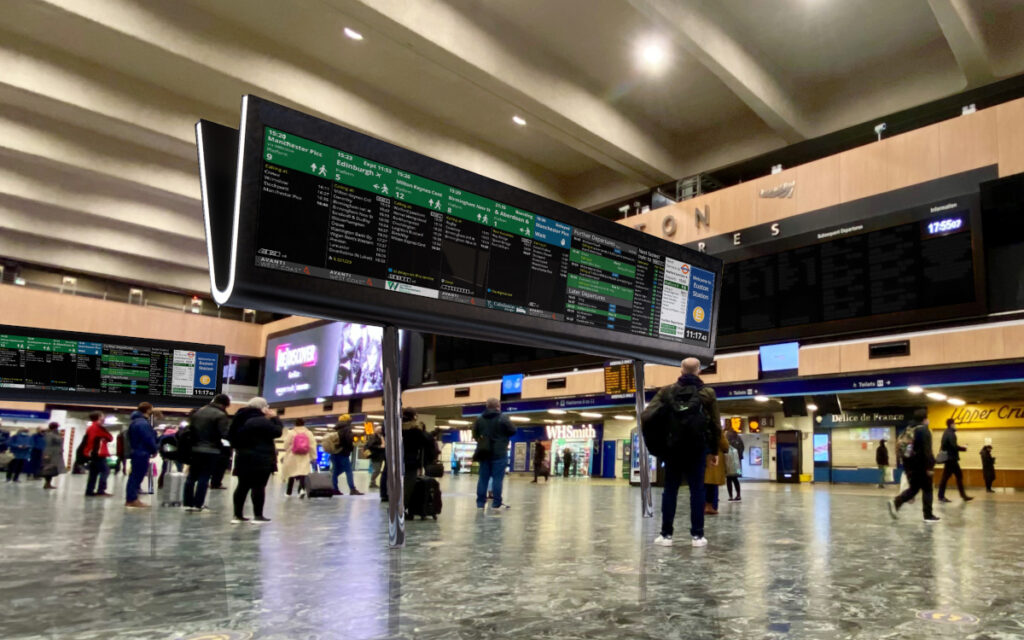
[{"x": 37, "y": 455}]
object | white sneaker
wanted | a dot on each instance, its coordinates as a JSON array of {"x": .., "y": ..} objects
[
  {"x": 699, "y": 542},
  {"x": 662, "y": 541},
  {"x": 893, "y": 509}
]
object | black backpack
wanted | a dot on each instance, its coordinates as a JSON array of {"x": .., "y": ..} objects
[{"x": 676, "y": 425}]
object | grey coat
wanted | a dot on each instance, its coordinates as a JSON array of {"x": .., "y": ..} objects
[{"x": 53, "y": 455}]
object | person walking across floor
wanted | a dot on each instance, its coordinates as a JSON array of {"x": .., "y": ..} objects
[
  {"x": 693, "y": 408},
  {"x": 882, "y": 460},
  {"x": 53, "y": 456},
  {"x": 299, "y": 456},
  {"x": 207, "y": 428},
  {"x": 253, "y": 432},
  {"x": 915, "y": 449},
  {"x": 375, "y": 447},
  {"x": 714, "y": 475},
  {"x": 732, "y": 473},
  {"x": 541, "y": 466},
  {"x": 20, "y": 445},
  {"x": 988, "y": 467},
  {"x": 950, "y": 449},
  {"x": 566, "y": 462},
  {"x": 96, "y": 452},
  {"x": 140, "y": 447},
  {"x": 342, "y": 444},
  {"x": 492, "y": 431}
]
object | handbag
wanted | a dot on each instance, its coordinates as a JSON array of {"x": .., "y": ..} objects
[
  {"x": 6, "y": 458},
  {"x": 434, "y": 470},
  {"x": 484, "y": 451},
  {"x": 942, "y": 457}
]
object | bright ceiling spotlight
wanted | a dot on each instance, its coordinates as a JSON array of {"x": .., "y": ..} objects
[
  {"x": 590, "y": 414},
  {"x": 915, "y": 389},
  {"x": 557, "y": 412},
  {"x": 625, "y": 417},
  {"x": 519, "y": 419},
  {"x": 812, "y": 407},
  {"x": 935, "y": 395},
  {"x": 761, "y": 398},
  {"x": 956, "y": 402},
  {"x": 519, "y": 120},
  {"x": 352, "y": 33},
  {"x": 652, "y": 54},
  {"x": 463, "y": 422}
]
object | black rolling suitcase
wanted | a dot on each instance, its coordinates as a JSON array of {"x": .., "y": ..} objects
[{"x": 426, "y": 499}]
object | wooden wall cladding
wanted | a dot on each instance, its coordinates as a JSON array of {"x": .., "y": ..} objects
[
  {"x": 50, "y": 310},
  {"x": 1010, "y": 127}
]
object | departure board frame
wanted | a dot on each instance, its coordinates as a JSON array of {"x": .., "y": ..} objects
[
  {"x": 122, "y": 399},
  {"x": 233, "y": 237}
]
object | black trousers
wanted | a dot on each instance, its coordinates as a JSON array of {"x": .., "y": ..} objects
[
  {"x": 14, "y": 469},
  {"x": 291, "y": 483},
  {"x": 989, "y": 479},
  {"x": 730, "y": 482},
  {"x": 919, "y": 481},
  {"x": 254, "y": 482},
  {"x": 952, "y": 468}
]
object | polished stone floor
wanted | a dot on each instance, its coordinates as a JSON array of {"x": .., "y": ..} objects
[{"x": 572, "y": 559}]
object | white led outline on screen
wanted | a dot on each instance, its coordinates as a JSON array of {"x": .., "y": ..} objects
[{"x": 221, "y": 296}]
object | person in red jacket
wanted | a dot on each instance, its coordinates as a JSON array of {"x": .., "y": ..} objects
[{"x": 96, "y": 439}]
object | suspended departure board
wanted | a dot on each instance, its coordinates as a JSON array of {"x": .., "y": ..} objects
[
  {"x": 59, "y": 366},
  {"x": 619, "y": 377},
  {"x": 332, "y": 223}
]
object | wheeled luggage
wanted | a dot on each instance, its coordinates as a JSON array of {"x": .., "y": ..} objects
[
  {"x": 425, "y": 499},
  {"x": 173, "y": 490},
  {"x": 319, "y": 485}
]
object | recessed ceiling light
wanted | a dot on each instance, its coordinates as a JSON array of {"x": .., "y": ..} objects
[
  {"x": 761, "y": 398},
  {"x": 625, "y": 417},
  {"x": 460, "y": 422},
  {"x": 590, "y": 414},
  {"x": 652, "y": 54},
  {"x": 956, "y": 402},
  {"x": 935, "y": 395},
  {"x": 915, "y": 389},
  {"x": 374, "y": 417},
  {"x": 557, "y": 412},
  {"x": 812, "y": 407},
  {"x": 352, "y": 33},
  {"x": 519, "y": 120},
  {"x": 519, "y": 419}
]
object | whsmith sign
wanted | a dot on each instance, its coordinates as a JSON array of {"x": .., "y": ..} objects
[{"x": 979, "y": 416}]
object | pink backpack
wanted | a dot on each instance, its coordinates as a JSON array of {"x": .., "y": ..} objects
[{"x": 300, "y": 444}]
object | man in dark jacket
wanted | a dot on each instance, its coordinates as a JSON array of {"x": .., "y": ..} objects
[
  {"x": 492, "y": 431},
  {"x": 952, "y": 465},
  {"x": 919, "y": 466},
  {"x": 882, "y": 460},
  {"x": 690, "y": 460},
  {"x": 253, "y": 431},
  {"x": 208, "y": 428},
  {"x": 140, "y": 443},
  {"x": 341, "y": 455}
]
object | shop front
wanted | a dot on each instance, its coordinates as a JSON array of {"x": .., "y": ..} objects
[
  {"x": 845, "y": 445},
  {"x": 577, "y": 445},
  {"x": 996, "y": 425}
]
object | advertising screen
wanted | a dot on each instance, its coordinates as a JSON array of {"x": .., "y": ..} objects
[
  {"x": 512, "y": 384},
  {"x": 61, "y": 366},
  {"x": 329, "y": 221},
  {"x": 328, "y": 360},
  {"x": 821, "y": 447}
]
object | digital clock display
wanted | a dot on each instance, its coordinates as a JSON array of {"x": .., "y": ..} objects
[{"x": 943, "y": 226}]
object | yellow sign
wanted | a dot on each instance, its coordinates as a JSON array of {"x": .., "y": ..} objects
[
  {"x": 978, "y": 416},
  {"x": 368, "y": 427}
]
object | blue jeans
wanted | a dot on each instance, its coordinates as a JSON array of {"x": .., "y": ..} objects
[
  {"x": 491, "y": 473},
  {"x": 98, "y": 471},
  {"x": 341, "y": 463},
  {"x": 693, "y": 471},
  {"x": 140, "y": 468}
]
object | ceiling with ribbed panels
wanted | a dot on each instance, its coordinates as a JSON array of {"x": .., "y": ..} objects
[{"x": 98, "y": 98}]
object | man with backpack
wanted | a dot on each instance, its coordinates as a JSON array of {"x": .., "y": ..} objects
[
  {"x": 492, "y": 431},
  {"x": 682, "y": 428},
  {"x": 340, "y": 444},
  {"x": 203, "y": 439},
  {"x": 914, "y": 448}
]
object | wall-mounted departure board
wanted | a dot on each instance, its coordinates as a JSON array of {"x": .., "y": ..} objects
[{"x": 62, "y": 366}]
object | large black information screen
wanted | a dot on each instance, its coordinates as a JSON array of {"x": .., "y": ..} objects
[
  {"x": 854, "y": 273},
  {"x": 60, "y": 366},
  {"x": 392, "y": 236}
]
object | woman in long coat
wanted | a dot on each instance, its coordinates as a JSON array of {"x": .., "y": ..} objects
[
  {"x": 52, "y": 464},
  {"x": 714, "y": 476},
  {"x": 297, "y": 466}
]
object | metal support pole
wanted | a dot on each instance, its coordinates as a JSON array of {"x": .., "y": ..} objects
[
  {"x": 647, "y": 502},
  {"x": 393, "y": 437}
]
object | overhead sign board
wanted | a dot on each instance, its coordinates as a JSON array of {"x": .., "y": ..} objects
[{"x": 324, "y": 221}]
